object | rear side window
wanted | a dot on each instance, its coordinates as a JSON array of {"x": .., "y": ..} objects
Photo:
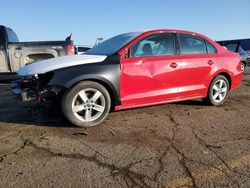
[
  {"x": 12, "y": 37},
  {"x": 154, "y": 45},
  {"x": 190, "y": 44},
  {"x": 210, "y": 48}
]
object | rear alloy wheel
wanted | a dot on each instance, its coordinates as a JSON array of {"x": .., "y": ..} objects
[
  {"x": 218, "y": 91},
  {"x": 86, "y": 104},
  {"x": 243, "y": 67}
]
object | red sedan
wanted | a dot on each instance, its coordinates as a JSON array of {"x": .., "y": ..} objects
[{"x": 134, "y": 70}]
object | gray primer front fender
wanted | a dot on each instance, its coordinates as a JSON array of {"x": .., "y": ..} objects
[{"x": 105, "y": 73}]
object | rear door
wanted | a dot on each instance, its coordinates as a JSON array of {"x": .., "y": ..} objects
[
  {"x": 3, "y": 56},
  {"x": 150, "y": 74},
  {"x": 198, "y": 58}
]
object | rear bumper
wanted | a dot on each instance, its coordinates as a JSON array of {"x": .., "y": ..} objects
[{"x": 21, "y": 93}]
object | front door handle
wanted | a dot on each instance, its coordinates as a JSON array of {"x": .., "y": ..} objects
[
  {"x": 210, "y": 62},
  {"x": 173, "y": 65}
]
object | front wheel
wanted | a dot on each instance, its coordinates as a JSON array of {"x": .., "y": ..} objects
[
  {"x": 218, "y": 91},
  {"x": 86, "y": 104}
]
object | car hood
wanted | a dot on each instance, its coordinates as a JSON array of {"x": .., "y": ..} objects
[{"x": 45, "y": 66}]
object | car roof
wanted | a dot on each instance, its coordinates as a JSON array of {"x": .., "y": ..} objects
[
  {"x": 172, "y": 31},
  {"x": 154, "y": 31}
]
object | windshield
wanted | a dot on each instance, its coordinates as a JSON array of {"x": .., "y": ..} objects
[
  {"x": 113, "y": 45},
  {"x": 12, "y": 37}
]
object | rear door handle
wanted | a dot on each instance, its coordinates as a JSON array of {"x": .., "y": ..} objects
[
  {"x": 210, "y": 62},
  {"x": 173, "y": 65}
]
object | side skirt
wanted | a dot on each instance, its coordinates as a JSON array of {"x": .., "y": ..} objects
[{"x": 121, "y": 107}]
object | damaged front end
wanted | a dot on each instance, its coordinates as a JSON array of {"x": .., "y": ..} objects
[{"x": 35, "y": 87}]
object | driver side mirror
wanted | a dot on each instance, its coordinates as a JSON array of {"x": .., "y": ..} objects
[{"x": 125, "y": 54}]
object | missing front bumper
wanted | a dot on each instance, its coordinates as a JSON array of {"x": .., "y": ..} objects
[
  {"x": 23, "y": 94},
  {"x": 27, "y": 91}
]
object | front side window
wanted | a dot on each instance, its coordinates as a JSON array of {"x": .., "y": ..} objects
[
  {"x": 190, "y": 44},
  {"x": 154, "y": 45},
  {"x": 12, "y": 37}
]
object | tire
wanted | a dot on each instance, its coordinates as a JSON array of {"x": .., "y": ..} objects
[
  {"x": 243, "y": 67},
  {"x": 218, "y": 91},
  {"x": 86, "y": 104}
]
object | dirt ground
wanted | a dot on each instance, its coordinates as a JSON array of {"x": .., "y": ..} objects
[{"x": 185, "y": 144}]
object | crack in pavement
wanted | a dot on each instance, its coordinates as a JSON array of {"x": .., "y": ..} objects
[
  {"x": 161, "y": 164},
  {"x": 181, "y": 161},
  {"x": 136, "y": 179},
  {"x": 81, "y": 141},
  {"x": 235, "y": 140},
  {"x": 25, "y": 144},
  {"x": 180, "y": 153},
  {"x": 19, "y": 133},
  {"x": 132, "y": 176},
  {"x": 174, "y": 128},
  {"x": 208, "y": 146},
  {"x": 1, "y": 139}
]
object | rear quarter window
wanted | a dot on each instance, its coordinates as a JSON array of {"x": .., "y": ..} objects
[
  {"x": 210, "y": 48},
  {"x": 191, "y": 44}
]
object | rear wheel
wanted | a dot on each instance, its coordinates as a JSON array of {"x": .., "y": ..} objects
[
  {"x": 218, "y": 91},
  {"x": 243, "y": 67},
  {"x": 86, "y": 104}
]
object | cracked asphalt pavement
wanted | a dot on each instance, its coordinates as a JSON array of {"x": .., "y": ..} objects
[{"x": 187, "y": 144}]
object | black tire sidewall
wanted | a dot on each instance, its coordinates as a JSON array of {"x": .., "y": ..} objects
[
  {"x": 71, "y": 93},
  {"x": 210, "y": 94}
]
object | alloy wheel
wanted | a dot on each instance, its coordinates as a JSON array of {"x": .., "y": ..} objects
[
  {"x": 220, "y": 90},
  {"x": 243, "y": 67},
  {"x": 88, "y": 105}
]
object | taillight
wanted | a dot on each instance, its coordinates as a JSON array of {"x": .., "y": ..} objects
[{"x": 71, "y": 49}]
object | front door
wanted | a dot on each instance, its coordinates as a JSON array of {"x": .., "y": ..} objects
[{"x": 150, "y": 74}]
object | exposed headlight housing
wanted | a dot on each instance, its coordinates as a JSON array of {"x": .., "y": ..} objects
[{"x": 33, "y": 76}]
